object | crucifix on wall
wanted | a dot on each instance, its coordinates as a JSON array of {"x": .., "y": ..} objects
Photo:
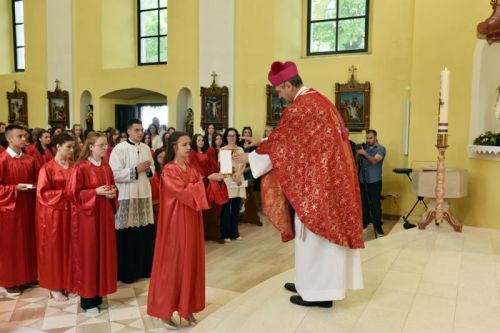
[{"x": 214, "y": 105}]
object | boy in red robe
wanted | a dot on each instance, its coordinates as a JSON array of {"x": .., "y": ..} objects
[{"x": 18, "y": 175}]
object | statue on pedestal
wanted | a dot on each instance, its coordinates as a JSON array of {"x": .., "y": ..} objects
[
  {"x": 89, "y": 120},
  {"x": 188, "y": 123},
  {"x": 490, "y": 28}
]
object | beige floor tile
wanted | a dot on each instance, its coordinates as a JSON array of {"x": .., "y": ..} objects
[
  {"x": 392, "y": 300},
  {"x": 123, "y": 313},
  {"x": 477, "y": 317},
  {"x": 59, "y": 322},
  {"x": 431, "y": 314},
  {"x": 7, "y": 304},
  {"x": 380, "y": 320},
  {"x": 403, "y": 281},
  {"x": 438, "y": 289}
]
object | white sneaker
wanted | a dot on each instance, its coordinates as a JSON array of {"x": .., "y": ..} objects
[
  {"x": 239, "y": 238},
  {"x": 227, "y": 240},
  {"x": 92, "y": 310}
]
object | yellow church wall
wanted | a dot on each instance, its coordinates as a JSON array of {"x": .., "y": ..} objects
[
  {"x": 6, "y": 64},
  {"x": 445, "y": 35},
  {"x": 33, "y": 80},
  {"x": 181, "y": 70},
  {"x": 119, "y": 43}
]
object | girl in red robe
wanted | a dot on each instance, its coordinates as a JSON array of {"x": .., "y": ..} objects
[
  {"x": 92, "y": 191},
  {"x": 53, "y": 220},
  {"x": 202, "y": 159},
  {"x": 178, "y": 276},
  {"x": 42, "y": 152}
]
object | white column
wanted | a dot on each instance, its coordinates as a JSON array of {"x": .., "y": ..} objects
[
  {"x": 216, "y": 47},
  {"x": 60, "y": 48}
]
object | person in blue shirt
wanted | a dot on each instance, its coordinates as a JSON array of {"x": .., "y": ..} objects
[{"x": 370, "y": 160}]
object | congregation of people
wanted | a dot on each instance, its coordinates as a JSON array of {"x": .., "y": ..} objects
[{"x": 83, "y": 210}]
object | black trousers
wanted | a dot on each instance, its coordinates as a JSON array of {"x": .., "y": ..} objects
[
  {"x": 370, "y": 196},
  {"x": 230, "y": 218},
  {"x": 135, "y": 249},
  {"x": 89, "y": 303}
]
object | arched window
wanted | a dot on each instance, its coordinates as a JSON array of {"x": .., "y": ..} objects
[
  {"x": 152, "y": 29},
  {"x": 337, "y": 26}
]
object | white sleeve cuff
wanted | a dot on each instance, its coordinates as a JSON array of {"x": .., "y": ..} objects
[{"x": 260, "y": 164}]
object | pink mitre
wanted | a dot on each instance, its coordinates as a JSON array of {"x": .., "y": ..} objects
[{"x": 281, "y": 72}]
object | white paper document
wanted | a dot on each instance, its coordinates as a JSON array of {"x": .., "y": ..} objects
[{"x": 226, "y": 161}]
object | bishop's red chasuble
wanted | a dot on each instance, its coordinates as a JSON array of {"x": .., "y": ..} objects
[{"x": 314, "y": 171}]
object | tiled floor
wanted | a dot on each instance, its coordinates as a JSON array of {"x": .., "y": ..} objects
[{"x": 415, "y": 281}]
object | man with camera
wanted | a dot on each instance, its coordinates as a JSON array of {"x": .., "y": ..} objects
[{"x": 370, "y": 160}]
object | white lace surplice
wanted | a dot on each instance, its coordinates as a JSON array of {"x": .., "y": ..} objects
[{"x": 134, "y": 195}]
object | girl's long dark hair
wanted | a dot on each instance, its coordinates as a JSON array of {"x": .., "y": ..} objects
[
  {"x": 38, "y": 143},
  {"x": 210, "y": 144},
  {"x": 194, "y": 144},
  {"x": 172, "y": 141}
]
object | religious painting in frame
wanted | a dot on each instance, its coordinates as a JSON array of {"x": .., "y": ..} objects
[
  {"x": 352, "y": 99},
  {"x": 58, "y": 107},
  {"x": 18, "y": 106},
  {"x": 275, "y": 106},
  {"x": 214, "y": 106}
]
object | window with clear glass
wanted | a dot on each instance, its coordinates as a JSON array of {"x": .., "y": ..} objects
[
  {"x": 18, "y": 30},
  {"x": 152, "y": 31},
  {"x": 337, "y": 26}
]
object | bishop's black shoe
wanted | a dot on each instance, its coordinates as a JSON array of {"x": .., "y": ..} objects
[
  {"x": 299, "y": 301},
  {"x": 290, "y": 287}
]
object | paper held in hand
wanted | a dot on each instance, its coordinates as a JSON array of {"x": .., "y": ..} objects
[
  {"x": 29, "y": 186},
  {"x": 226, "y": 162}
]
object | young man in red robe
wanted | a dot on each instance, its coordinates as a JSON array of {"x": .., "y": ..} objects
[
  {"x": 18, "y": 175},
  {"x": 308, "y": 165}
]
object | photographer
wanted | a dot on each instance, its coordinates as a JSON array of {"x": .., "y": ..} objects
[{"x": 370, "y": 159}]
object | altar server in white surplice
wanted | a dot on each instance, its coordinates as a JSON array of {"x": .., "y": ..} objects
[{"x": 132, "y": 166}]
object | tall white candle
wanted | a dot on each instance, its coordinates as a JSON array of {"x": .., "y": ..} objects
[{"x": 444, "y": 95}]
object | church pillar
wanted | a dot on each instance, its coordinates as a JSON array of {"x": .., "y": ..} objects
[
  {"x": 216, "y": 47},
  {"x": 60, "y": 48}
]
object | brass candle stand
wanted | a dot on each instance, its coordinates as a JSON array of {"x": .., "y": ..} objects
[{"x": 439, "y": 214}]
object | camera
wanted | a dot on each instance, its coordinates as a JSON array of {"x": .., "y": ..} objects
[{"x": 361, "y": 145}]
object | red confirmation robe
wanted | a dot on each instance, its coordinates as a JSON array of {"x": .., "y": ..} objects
[
  {"x": 41, "y": 159},
  {"x": 204, "y": 164},
  {"x": 178, "y": 276},
  {"x": 17, "y": 222},
  {"x": 313, "y": 169},
  {"x": 53, "y": 221},
  {"x": 93, "y": 230}
]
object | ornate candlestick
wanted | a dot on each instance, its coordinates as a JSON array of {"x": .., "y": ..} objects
[{"x": 439, "y": 213}]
